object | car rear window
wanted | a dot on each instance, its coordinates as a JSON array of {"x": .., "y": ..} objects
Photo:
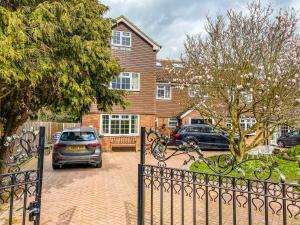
[{"x": 77, "y": 136}]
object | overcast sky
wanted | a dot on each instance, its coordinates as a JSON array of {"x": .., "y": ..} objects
[{"x": 168, "y": 21}]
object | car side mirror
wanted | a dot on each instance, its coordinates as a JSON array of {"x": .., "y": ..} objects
[{"x": 101, "y": 136}]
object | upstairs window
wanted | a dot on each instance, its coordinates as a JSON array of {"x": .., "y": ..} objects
[
  {"x": 126, "y": 81},
  {"x": 163, "y": 91},
  {"x": 195, "y": 90},
  {"x": 246, "y": 97},
  {"x": 121, "y": 38},
  {"x": 247, "y": 123}
]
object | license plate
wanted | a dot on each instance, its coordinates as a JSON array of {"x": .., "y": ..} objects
[{"x": 77, "y": 148}]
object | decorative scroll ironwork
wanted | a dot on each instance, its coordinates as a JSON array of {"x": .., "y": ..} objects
[
  {"x": 20, "y": 148},
  {"x": 157, "y": 145},
  {"x": 243, "y": 199}
]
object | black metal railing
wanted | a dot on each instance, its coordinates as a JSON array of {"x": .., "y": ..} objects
[
  {"x": 178, "y": 196},
  {"x": 21, "y": 189},
  {"x": 202, "y": 198}
]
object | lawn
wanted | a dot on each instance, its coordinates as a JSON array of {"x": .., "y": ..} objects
[{"x": 287, "y": 167}]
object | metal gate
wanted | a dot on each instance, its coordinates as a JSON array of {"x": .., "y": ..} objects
[
  {"x": 21, "y": 186},
  {"x": 180, "y": 196}
]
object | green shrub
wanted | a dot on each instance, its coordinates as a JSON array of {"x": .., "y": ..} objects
[{"x": 294, "y": 151}]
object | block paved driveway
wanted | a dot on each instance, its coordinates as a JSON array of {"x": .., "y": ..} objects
[{"x": 94, "y": 196}]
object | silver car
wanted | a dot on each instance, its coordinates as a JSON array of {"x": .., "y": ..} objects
[{"x": 77, "y": 146}]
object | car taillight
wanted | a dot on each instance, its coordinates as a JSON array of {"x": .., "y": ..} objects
[
  {"x": 96, "y": 144},
  {"x": 59, "y": 145},
  {"x": 177, "y": 136}
]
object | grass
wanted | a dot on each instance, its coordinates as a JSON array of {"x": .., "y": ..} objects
[{"x": 287, "y": 167}]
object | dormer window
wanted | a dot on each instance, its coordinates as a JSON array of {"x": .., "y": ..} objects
[{"x": 121, "y": 39}]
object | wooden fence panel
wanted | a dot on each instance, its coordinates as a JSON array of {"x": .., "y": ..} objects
[{"x": 50, "y": 127}]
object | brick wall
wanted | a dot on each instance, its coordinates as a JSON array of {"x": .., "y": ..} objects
[{"x": 92, "y": 119}]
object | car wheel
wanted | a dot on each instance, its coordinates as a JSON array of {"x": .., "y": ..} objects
[
  {"x": 281, "y": 144},
  {"x": 99, "y": 165},
  {"x": 55, "y": 167}
]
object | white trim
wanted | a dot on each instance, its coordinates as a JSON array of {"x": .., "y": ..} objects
[
  {"x": 164, "y": 84},
  {"x": 155, "y": 46},
  {"x": 121, "y": 35},
  {"x": 130, "y": 73},
  {"x": 120, "y": 135},
  {"x": 186, "y": 113},
  {"x": 169, "y": 122},
  {"x": 201, "y": 118}
]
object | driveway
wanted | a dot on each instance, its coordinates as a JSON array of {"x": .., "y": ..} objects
[{"x": 93, "y": 196}]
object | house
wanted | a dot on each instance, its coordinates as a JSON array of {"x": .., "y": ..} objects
[
  {"x": 154, "y": 96},
  {"x": 137, "y": 54}
]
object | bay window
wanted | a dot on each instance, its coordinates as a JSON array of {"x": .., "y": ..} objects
[{"x": 119, "y": 124}]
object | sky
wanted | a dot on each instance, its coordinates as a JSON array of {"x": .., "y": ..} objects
[{"x": 169, "y": 21}]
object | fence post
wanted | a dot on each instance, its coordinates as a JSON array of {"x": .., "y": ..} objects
[
  {"x": 141, "y": 197},
  {"x": 40, "y": 168}
]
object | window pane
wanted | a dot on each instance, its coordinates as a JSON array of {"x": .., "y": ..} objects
[
  {"x": 167, "y": 91},
  {"x": 126, "y": 41},
  {"x": 135, "y": 81},
  {"x": 116, "y": 37},
  {"x": 115, "y": 126},
  {"x": 134, "y": 124},
  {"x": 124, "y": 126},
  {"x": 160, "y": 91},
  {"x": 116, "y": 83},
  {"x": 126, "y": 83},
  {"x": 105, "y": 124}
]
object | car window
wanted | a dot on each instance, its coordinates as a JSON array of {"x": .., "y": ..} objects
[
  {"x": 294, "y": 133},
  {"x": 77, "y": 136}
]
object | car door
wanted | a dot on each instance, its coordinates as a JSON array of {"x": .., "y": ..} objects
[
  {"x": 221, "y": 141},
  {"x": 208, "y": 140}
]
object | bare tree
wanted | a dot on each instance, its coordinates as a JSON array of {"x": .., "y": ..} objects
[{"x": 248, "y": 65}]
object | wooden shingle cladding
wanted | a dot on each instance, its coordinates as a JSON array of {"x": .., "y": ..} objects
[{"x": 180, "y": 100}]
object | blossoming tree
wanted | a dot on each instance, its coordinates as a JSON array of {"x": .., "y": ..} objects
[{"x": 248, "y": 66}]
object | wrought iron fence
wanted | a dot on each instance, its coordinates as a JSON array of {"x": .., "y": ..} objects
[
  {"x": 20, "y": 190},
  {"x": 178, "y": 196}
]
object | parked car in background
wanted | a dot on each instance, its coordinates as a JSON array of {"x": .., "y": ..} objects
[
  {"x": 203, "y": 135},
  {"x": 55, "y": 137},
  {"x": 290, "y": 139},
  {"x": 77, "y": 146}
]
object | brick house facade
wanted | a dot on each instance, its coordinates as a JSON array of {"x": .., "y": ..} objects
[
  {"x": 137, "y": 56},
  {"x": 154, "y": 97}
]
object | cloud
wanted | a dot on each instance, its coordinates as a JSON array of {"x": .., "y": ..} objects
[{"x": 169, "y": 21}]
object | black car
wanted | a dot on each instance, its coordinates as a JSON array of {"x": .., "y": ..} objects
[
  {"x": 290, "y": 139},
  {"x": 203, "y": 135}
]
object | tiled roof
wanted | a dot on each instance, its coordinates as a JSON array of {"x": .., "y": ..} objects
[{"x": 168, "y": 70}]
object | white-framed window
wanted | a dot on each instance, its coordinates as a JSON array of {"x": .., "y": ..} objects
[
  {"x": 126, "y": 81},
  {"x": 246, "y": 97},
  {"x": 163, "y": 91},
  {"x": 247, "y": 123},
  {"x": 121, "y": 38},
  {"x": 172, "y": 122},
  {"x": 194, "y": 90},
  {"x": 121, "y": 124}
]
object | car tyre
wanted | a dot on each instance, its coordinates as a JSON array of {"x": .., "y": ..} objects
[
  {"x": 99, "y": 165},
  {"x": 281, "y": 144},
  {"x": 55, "y": 167}
]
